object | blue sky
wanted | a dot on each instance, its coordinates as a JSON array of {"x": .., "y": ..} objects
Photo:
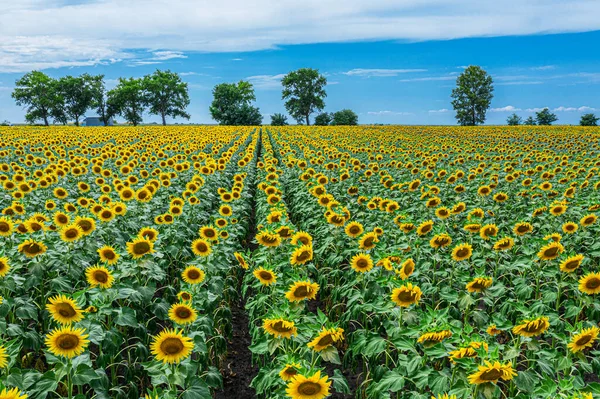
[{"x": 393, "y": 62}]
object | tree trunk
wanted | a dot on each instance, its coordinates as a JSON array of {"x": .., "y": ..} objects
[
  {"x": 163, "y": 119},
  {"x": 307, "y": 120},
  {"x": 76, "y": 120},
  {"x": 46, "y": 120}
]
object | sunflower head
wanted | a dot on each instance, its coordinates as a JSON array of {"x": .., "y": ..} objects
[
  {"x": 590, "y": 284},
  {"x": 64, "y": 310},
  {"x": 182, "y": 313},
  {"x": 361, "y": 262},
  {"x": 99, "y": 276},
  {"x": 171, "y": 346},
  {"x": 266, "y": 277},
  {"x": 313, "y": 387},
  {"x": 140, "y": 247},
  {"x": 67, "y": 342},
  {"x": 302, "y": 290},
  {"x": 193, "y": 275}
]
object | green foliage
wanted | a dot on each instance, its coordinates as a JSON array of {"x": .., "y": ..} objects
[
  {"x": 77, "y": 95},
  {"x": 36, "y": 91},
  {"x": 530, "y": 121},
  {"x": 232, "y": 104},
  {"x": 166, "y": 95},
  {"x": 514, "y": 120},
  {"x": 99, "y": 102},
  {"x": 545, "y": 117},
  {"x": 589, "y": 120},
  {"x": 278, "y": 120},
  {"x": 472, "y": 96},
  {"x": 323, "y": 119},
  {"x": 304, "y": 91},
  {"x": 345, "y": 117},
  {"x": 128, "y": 100}
]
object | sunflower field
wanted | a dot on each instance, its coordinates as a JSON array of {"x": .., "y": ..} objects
[{"x": 369, "y": 262}]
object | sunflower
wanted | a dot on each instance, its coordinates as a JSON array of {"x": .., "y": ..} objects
[
  {"x": 301, "y": 255},
  {"x": 301, "y": 237},
  {"x": 558, "y": 210},
  {"x": 440, "y": 241},
  {"x": 479, "y": 284},
  {"x": 444, "y": 396},
  {"x": 462, "y": 252},
  {"x": 108, "y": 255},
  {"x": 532, "y": 328},
  {"x": 140, "y": 247},
  {"x": 280, "y": 328},
  {"x": 302, "y": 290},
  {"x": 184, "y": 296},
  {"x": 241, "y": 260},
  {"x": 590, "y": 284},
  {"x": 64, "y": 310},
  {"x": 468, "y": 351},
  {"x": 425, "y": 227},
  {"x": 431, "y": 338},
  {"x": 406, "y": 295},
  {"x": 368, "y": 241},
  {"x": 314, "y": 387},
  {"x": 556, "y": 237},
  {"x": 67, "y": 341},
  {"x": 354, "y": 229},
  {"x": 289, "y": 371},
  {"x": 14, "y": 393},
  {"x": 266, "y": 277},
  {"x": 326, "y": 338},
  {"x": 148, "y": 233},
  {"x": 408, "y": 268},
  {"x": 268, "y": 239},
  {"x": 71, "y": 233},
  {"x": 588, "y": 220},
  {"x": 472, "y": 227},
  {"x": 551, "y": 251},
  {"x": 225, "y": 210},
  {"x": 571, "y": 264},
  {"x": 106, "y": 215},
  {"x": 6, "y": 227},
  {"x": 443, "y": 212},
  {"x": 4, "y": 267},
  {"x": 570, "y": 227},
  {"x": 193, "y": 275},
  {"x": 3, "y": 357},
  {"x": 201, "y": 247},
  {"x": 171, "y": 346},
  {"x": 182, "y": 313},
  {"x": 585, "y": 339},
  {"x": 492, "y": 373},
  {"x": 31, "y": 248},
  {"x": 493, "y": 330},
  {"x": 361, "y": 262},
  {"x": 88, "y": 225},
  {"x": 208, "y": 233},
  {"x": 488, "y": 231},
  {"x": 504, "y": 244},
  {"x": 522, "y": 228}
]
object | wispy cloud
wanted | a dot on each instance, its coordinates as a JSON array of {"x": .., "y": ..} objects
[
  {"x": 535, "y": 109},
  {"x": 584, "y": 108},
  {"x": 266, "y": 81},
  {"x": 389, "y": 113},
  {"x": 543, "y": 68},
  {"x": 158, "y": 57},
  {"x": 438, "y": 111},
  {"x": 520, "y": 83},
  {"x": 430, "y": 79},
  {"x": 508, "y": 108},
  {"x": 378, "y": 72},
  {"x": 237, "y": 59}
]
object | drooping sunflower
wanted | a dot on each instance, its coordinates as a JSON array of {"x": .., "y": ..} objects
[
  {"x": 71, "y": 233},
  {"x": 171, "y": 346},
  {"x": 479, "y": 284},
  {"x": 493, "y": 330},
  {"x": 558, "y": 209},
  {"x": 241, "y": 260},
  {"x": 99, "y": 276},
  {"x": 67, "y": 341},
  {"x": 201, "y": 247},
  {"x": 588, "y": 220},
  {"x": 4, "y": 267},
  {"x": 571, "y": 264},
  {"x": 268, "y": 239},
  {"x": 431, "y": 338},
  {"x": 440, "y": 241},
  {"x": 314, "y": 387},
  {"x": 368, "y": 241},
  {"x": 280, "y": 328},
  {"x": 14, "y": 393},
  {"x": 443, "y": 212},
  {"x": 522, "y": 228},
  {"x": 472, "y": 227},
  {"x": 590, "y": 284},
  {"x": 140, "y": 247},
  {"x": 532, "y": 328},
  {"x": 193, "y": 275},
  {"x": 289, "y": 371},
  {"x": 584, "y": 339},
  {"x": 504, "y": 244},
  {"x": 326, "y": 338},
  {"x": 406, "y": 295},
  {"x": 182, "y": 313},
  {"x": 302, "y": 290},
  {"x": 301, "y": 255},
  {"x": 32, "y": 248},
  {"x": 467, "y": 351},
  {"x": 64, "y": 310},
  {"x": 361, "y": 262},
  {"x": 492, "y": 372},
  {"x": 148, "y": 233},
  {"x": 462, "y": 252},
  {"x": 354, "y": 229},
  {"x": 266, "y": 277},
  {"x": 425, "y": 227},
  {"x": 551, "y": 251},
  {"x": 108, "y": 254},
  {"x": 488, "y": 231},
  {"x": 301, "y": 237},
  {"x": 408, "y": 268}
]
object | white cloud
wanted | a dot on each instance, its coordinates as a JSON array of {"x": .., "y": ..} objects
[
  {"x": 508, "y": 108},
  {"x": 543, "y": 68},
  {"x": 58, "y": 33},
  {"x": 380, "y": 72},
  {"x": 167, "y": 55},
  {"x": 535, "y": 109},
  {"x": 388, "y": 113},
  {"x": 266, "y": 81},
  {"x": 429, "y": 79},
  {"x": 438, "y": 111},
  {"x": 237, "y": 59},
  {"x": 584, "y": 108}
]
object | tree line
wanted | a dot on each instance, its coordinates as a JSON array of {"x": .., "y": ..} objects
[{"x": 164, "y": 93}]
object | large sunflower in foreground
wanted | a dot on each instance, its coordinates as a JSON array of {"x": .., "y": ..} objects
[
  {"x": 31, "y": 248},
  {"x": 99, "y": 276},
  {"x": 171, "y": 346},
  {"x": 313, "y": 387},
  {"x": 492, "y": 372},
  {"x": 12, "y": 394},
  {"x": 532, "y": 328},
  {"x": 64, "y": 310},
  {"x": 140, "y": 247},
  {"x": 280, "y": 328},
  {"x": 182, "y": 313},
  {"x": 326, "y": 338},
  {"x": 406, "y": 295},
  {"x": 361, "y": 263},
  {"x": 590, "y": 284},
  {"x": 302, "y": 290},
  {"x": 585, "y": 339},
  {"x": 67, "y": 342}
]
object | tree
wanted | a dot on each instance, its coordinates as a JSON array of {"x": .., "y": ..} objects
[
  {"x": 323, "y": 119},
  {"x": 100, "y": 99},
  {"x": 514, "y": 120},
  {"x": 278, "y": 120},
  {"x": 545, "y": 117},
  {"x": 472, "y": 96},
  {"x": 166, "y": 95},
  {"x": 589, "y": 120},
  {"x": 304, "y": 91},
  {"x": 37, "y": 92},
  {"x": 529, "y": 121},
  {"x": 128, "y": 100},
  {"x": 232, "y": 104},
  {"x": 77, "y": 95},
  {"x": 345, "y": 117}
]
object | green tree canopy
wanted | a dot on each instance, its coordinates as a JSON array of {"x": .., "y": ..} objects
[
  {"x": 545, "y": 117},
  {"x": 278, "y": 120},
  {"x": 472, "y": 96},
  {"x": 77, "y": 94},
  {"x": 37, "y": 92},
  {"x": 514, "y": 120},
  {"x": 589, "y": 120},
  {"x": 100, "y": 103},
  {"x": 323, "y": 119},
  {"x": 344, "y": 117},
  {"x": 128, "y": 100},
  {"x": 232, "y": 104},
  {"x": 166, "y": 95},
  {"x": 304, "y": 91},
  {"x": 529, "y": 121}
]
